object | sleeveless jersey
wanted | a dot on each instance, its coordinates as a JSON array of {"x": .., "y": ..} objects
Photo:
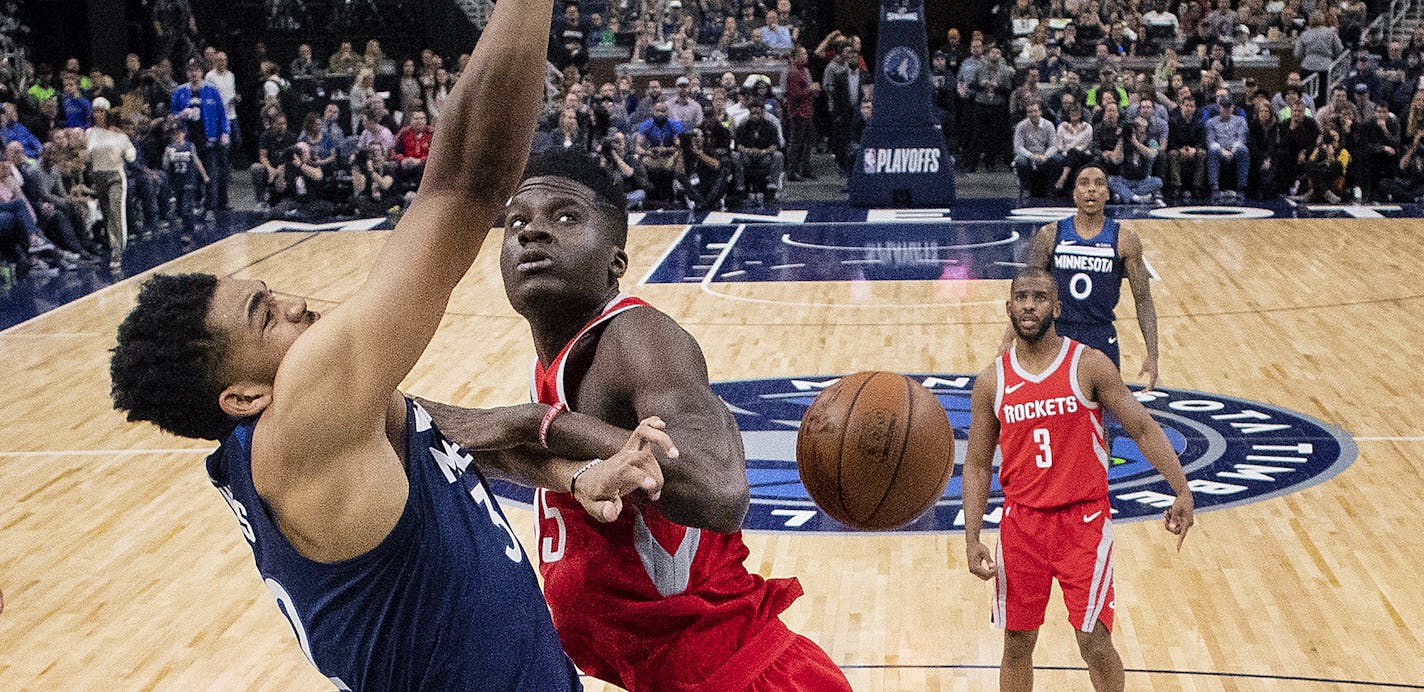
[
  {"x": 643, "y": 602},
  {"x": 448, "y": 600},
  {"x": 1050, "y": 435},
  {"x": 1089, "y": 273}
]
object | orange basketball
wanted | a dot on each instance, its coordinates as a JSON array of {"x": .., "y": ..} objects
[{"x": 875, "y": 450}]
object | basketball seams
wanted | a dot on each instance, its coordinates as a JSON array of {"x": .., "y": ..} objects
[
  {"x": 904, "y": 445},
  {"x": 840, "y": 444}
]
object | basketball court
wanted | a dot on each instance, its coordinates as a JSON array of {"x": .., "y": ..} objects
[{"x": 1288, "y": 348}]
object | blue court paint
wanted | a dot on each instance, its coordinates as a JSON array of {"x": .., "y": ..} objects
[{"x": 917, "y": 251}]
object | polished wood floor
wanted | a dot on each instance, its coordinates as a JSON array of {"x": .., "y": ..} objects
[{"x": 121, "y": 568}]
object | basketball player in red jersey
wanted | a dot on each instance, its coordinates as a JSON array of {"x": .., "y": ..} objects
[
  {"x": 1042, "y": 402},
  {"x": 657, "y": 600}
]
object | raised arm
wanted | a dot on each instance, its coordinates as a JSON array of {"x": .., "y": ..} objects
[
  {"x": 979, "y": 470},
  {"x": 1138, "y": 278},
  {"x": 340, "y": 376}
]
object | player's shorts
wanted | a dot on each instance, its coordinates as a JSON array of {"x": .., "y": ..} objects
[
  {"x": 802, "y": 666},
  {"x": 1072, "y": 544},
  {"x": 1102, "y": 336}
]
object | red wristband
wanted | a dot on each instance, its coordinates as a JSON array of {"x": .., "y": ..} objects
[{"x": 547, "y": 422}]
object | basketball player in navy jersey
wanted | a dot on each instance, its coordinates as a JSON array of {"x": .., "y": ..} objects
[
  {"x": 377, "y": 536},
  {"x": 1042, "y": 402},
  {"x": 658, "y": 600},
  {"x": 1089, "y": 254}
]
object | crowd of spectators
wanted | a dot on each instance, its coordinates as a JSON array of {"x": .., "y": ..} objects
[{"x": 1148, "y": 88}]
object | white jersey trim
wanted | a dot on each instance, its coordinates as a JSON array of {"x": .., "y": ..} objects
[
  {"x": 1102, "y": 578},
  {"x": 1073, "y": 377},
  {"x": 999, "y": 389},
  {"x": 1040, "y": 377},
  {"x": 559, "y": 376}
]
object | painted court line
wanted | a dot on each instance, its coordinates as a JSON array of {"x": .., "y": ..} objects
[
  {"x": 103, "y": 452},
  {"x": 663, "y": 257}
]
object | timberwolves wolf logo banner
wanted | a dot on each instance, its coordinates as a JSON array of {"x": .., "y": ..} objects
[{"x": 903, "y": 161}]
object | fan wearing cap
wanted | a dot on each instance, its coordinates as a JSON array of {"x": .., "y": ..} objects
[
  {"x": 684, "y": 106},
  {"x": 109, "y": 149}
]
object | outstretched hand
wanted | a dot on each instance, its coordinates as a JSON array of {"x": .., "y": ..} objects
[{"x": 601, "y": 488}]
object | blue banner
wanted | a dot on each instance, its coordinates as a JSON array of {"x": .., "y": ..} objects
[{"x": 904, "y": 161}]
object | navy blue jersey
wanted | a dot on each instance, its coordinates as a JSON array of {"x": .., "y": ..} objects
[
  {"x": 1089, "y": 273},
  {"x": 447, "y": 601},
  {"x": 180, "y": 160}
]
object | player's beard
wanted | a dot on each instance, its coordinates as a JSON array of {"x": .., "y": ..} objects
[{"x": 1033, "y": 336}]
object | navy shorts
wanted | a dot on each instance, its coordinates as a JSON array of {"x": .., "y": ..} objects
[{"x": 1102, "y": 336}]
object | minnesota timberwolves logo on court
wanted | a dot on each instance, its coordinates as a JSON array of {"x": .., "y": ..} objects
[
  {"x": 902, "y": 66},
  {"x": 1233, "y": 451}
]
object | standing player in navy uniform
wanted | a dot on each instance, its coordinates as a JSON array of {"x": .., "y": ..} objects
[
  {"x": 1088, "y": 255},
  {"x": 378, "y": 538}
]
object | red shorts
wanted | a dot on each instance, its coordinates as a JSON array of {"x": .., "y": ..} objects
[
  {"x": 1072, "y": 544},
  {"x": 803, "y": 666}
]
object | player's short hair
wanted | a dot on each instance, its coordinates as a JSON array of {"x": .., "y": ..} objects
[
  {"x": 166, "y": 366},
  {"x": 1034, "y": 273},
  {"x": 1086, "y": 166},
  {"x": 584, "y": 169}
]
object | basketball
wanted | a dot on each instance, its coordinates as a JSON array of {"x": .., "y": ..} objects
[{"x": 875, "y": 450}]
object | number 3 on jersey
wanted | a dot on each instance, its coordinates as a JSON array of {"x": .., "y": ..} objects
[{"x": 1044, "y": 460}]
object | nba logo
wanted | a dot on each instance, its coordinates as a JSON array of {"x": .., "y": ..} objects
[{"x": 869, "y": 161}]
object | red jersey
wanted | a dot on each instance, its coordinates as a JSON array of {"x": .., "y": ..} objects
[
  {"x": 643, "y": 602},
  {"x": 1050, "y": 435},
  {"x": 412, "y": 145}
]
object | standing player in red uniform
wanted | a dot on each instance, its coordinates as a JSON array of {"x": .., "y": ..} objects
[
  {"x": 657, "y": 600},
  {"x": 1042, "y": 401}
]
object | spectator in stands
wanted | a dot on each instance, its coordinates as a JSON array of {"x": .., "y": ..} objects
[
  {"x": 568, "y": 134},
  {"x": 1339, "y": 102},
  {"x": 199, "y": 106},
  {"x": 1263, "y": 140},
  {"x": 683, "y": 108},
  {"x": 272, "y": 146},
  {"x": 617, "y": 160},
  {"x": 413, "y": 147},
  {"x": 344, "y": 61},
  {"x": 1295, "y": 139},
  {"x": 1243, "y": 47},
  {"x": 1075, "y": 140},
  {"x": 993, "y": 82},
  {"x": 1119, "y": 42},
  {"x": 1107, "y": 89},
  {"x": 1226, "y": 141},
  {"x": 438, "y": 93},
  {"x": 570, "y": 40},
  {"x": 184, "y": 168},
  {"x": 657, "y": 147},
  {"x": 774, "y": 36},
  {"x": 47, "y": 202},
  {"x": 132, "y": 77},
  {"x": 1072, "y": 47},
  {"x": 1025, "y": 94},
  {"x": 362, "y": 91},
  {"x": 1053, "y": 65},
  {"x": 303, "y": 66},
  {"x": 800, "y": 110},
  {"x": 1317, "y": 48},
  {"x": 1395, "y": 92},
  {"x": 1414, "y": 116},
  {"x": 18, "y": 229},
  {"x": 1325, "y": 169},
  {"x": 1278, "y": 101},
  {"x": 296, "y": 193},
  {"x": 1364, "y": 75},
  {"x": 78, "y": 111},
  {"x": 758, "y": 151},
  {"x": 375, "y": 132},
  {"x": 108, "y": 149},
  {"x": 841, "y": 81},
  {"x": 1407, "y": 184},
  {"x": 1186, "y": 151},
  {"x": 411, "y": 96},
  {"x": 1222, "y": 21},
  {"x": 1382, "y": 142},
  {"x": 1107, "y": 135},
  {"x": 12, "y": 131},
  {"x": 1134, "y": 182},
  {"x": 652, "y": 96},
  {"x": 46, "y": 119},
  {"x": 372, "y": 185},
  {"x": 707, "y": 175},
  {"x": 1036, "y": 155}
]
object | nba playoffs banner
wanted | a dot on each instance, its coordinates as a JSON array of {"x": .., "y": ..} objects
[{"x": 904, "y": 160}]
